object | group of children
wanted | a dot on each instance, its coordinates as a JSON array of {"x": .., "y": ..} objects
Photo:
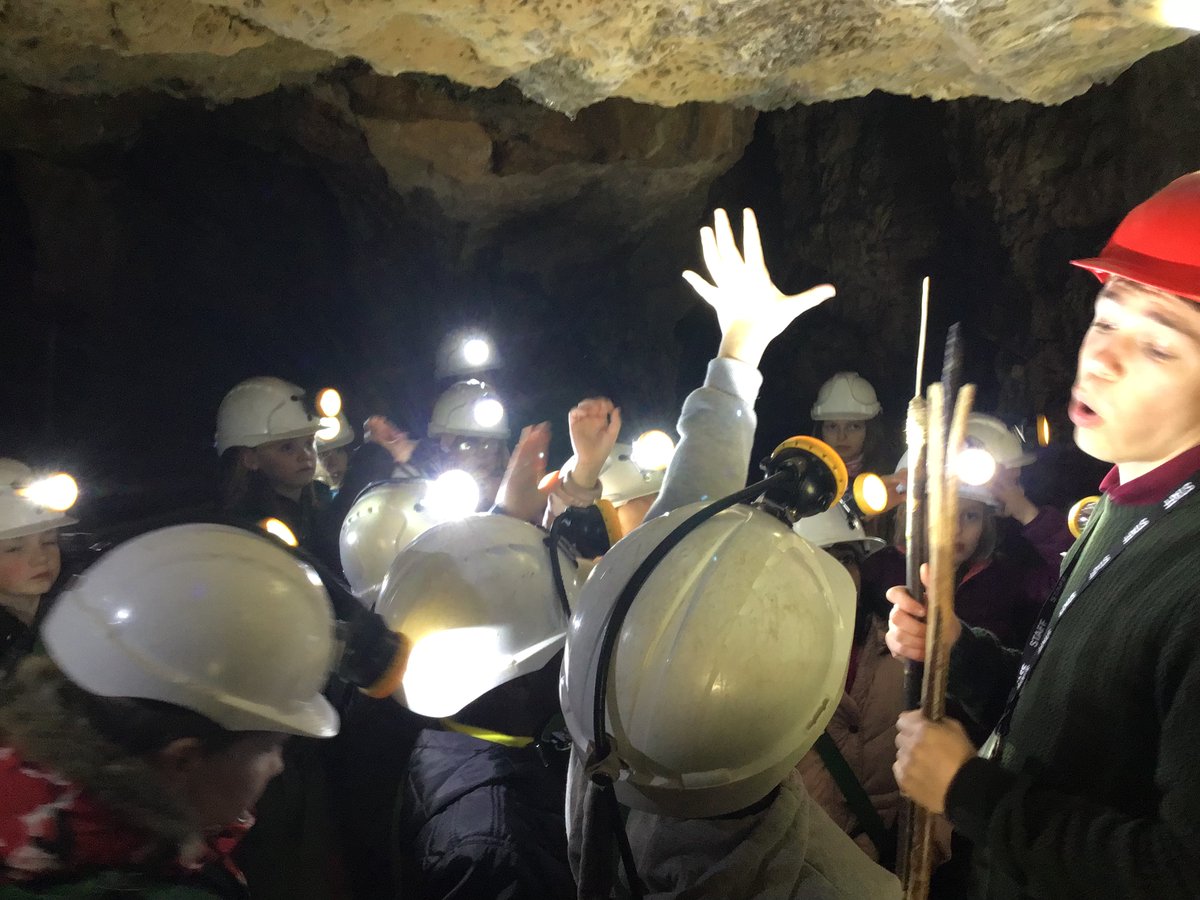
[{"x": 144, "y": 707}]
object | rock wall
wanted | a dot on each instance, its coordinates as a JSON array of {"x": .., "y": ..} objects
[
  {"x": 156, "y": 250},
  {"x": 991, "y": 200}
]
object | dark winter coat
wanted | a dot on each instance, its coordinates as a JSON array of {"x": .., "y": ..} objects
[
  {"x": 483, "y": 821},
  {"x": 1002, "y": 595},
  {"x": 16, "y": 641}
]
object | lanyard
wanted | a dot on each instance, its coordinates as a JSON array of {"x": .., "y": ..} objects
[{"x": 1052, "y": 613}]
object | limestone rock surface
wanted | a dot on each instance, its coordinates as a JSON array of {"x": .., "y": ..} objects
[{"x": 569, "y": 54}]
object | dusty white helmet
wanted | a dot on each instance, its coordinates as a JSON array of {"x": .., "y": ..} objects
[
  {"x": 211, "y": 618},
  {"x": 477, "y": 600},
  {"x": 469, "y": 408},
  {"x": 334, "y": 432},
  {"x": 261, "y": 410},
  {"x": 1000, "y": 446},
  {"x": 630, "y": 473},
  {"x": 846, "y": 396},
  {"x": 838, "y": 525},
  {"x": 465, "y": 352},
  {"x": 21, "y": 513},
  {"x": 728, "y": 666}
]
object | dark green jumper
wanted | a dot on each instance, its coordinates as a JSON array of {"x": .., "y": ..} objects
[{"x": 1097, "y": 791}]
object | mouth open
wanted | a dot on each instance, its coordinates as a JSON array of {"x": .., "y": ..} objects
[{"x": 1083, "y": 415}]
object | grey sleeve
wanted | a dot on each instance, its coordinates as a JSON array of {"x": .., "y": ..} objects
[{"x": 716, "y": 431}]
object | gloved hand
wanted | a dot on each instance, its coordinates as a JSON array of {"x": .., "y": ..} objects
[{"x": 751, "y": 310}]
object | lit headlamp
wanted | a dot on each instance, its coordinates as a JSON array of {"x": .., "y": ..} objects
[
  {"x": 652, "y": 451},
  {"x": 279, "y": 530},
  {"x": 56, "y": 492},
  {"x": 330, "y": 428},
  {"x": 452, "y": 495},
  {"x": 487, "y": 412},
  {"x": 329, "y": 403},
  {"x": 476, "y": 351}
]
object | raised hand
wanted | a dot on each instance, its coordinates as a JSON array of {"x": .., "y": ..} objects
[
  {"x": 751, "y": 310},
  {"x": 1006, "y": 488},
  {"x": 595, "y": 424},
  {"x": 382, "y": 431},
  {"x": 521, "y": 493}
]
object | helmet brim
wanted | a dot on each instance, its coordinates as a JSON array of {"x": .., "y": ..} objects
[
  {"x": 821, "y": 416},
  {"x": 37, "y": 527},
  {"x": 1174, "y": 278},
  {"x": 315, "y": 718}
]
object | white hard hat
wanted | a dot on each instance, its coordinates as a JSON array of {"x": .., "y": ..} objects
[
  {"x": 838, "y": 525},
  {"x": 727, "y": 668},
  {"x": 381, "y": 523},
  {"x": 211, "y": 618},
  {"x": 846, "y": 396},
  {"x": 465, "y": 352},
  {"x": 997, "y": 439},
  {"x": 20, "y": 513},
  {"x": 261, "y": 410},
  {"x": 1001, "y": 447},
  {"x": 335, "y": 431},
  {"x": 469, "y": 408},
  {"x": 628, "y": 474},
  {"x": 477, "y": 599}
]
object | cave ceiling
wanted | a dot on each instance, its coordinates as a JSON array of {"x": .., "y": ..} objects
[{"x": 569, "y": 54}]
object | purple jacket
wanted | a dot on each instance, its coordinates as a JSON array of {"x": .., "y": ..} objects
[{"x": 1002, "y": 595}]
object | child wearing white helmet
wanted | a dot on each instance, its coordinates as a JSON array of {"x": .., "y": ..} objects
[
  {"x": 469, "y": 426},
  {"x": 775, "y": 841},
  {"x": 1002, "y": 579},
  {"x": 846, "y": 416},
  {"x": 265, "y": 438},
  {"x": 333, "y": 449},
  {"x": 30, "y": 516},
  {"x": 132, "y": 753}
]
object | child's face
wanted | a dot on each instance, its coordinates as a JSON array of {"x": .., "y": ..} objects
[
  {"x": 30, "y": 564},
  {"x": 971, "y": 517},
  {"x": 289, "y": 464},
  {"x": 1136, "y": 398},
  {"x": 222, "y": 787},
  {"x": 845, "y": 554},
  {"x": 844, "y": 436},
  {"x": 335, "y": 462}
]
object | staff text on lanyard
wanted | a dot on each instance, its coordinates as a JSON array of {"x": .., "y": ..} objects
[{"x": 1051, "y": 613}]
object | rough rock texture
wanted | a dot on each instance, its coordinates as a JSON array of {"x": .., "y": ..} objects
[
  {"x": 155, "y": 250},
  {"x": 334, "y": 233},
  {"x": 569, "y": 54},
  {"x": 991, "y": 200}
]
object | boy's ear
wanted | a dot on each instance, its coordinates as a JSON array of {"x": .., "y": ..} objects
[
  {"x": 249, "y": 458},
  {"x": 179, "y": 758}
]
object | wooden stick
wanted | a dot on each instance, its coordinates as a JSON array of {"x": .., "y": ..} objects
[
  {"x": 915, "y": 554},
  {"x": 942, "y": 517},
  {"x": 921, "y": 335}
]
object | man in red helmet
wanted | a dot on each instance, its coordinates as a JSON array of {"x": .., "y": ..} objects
[{"x": 1090, "y": 786}]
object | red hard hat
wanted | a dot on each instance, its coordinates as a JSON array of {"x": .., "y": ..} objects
[{"x": 1158, "y": 243}]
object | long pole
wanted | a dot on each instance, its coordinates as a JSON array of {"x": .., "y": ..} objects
[
  {"x": 915, "y": 550},
  {"x": 948, "y": 409}
]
